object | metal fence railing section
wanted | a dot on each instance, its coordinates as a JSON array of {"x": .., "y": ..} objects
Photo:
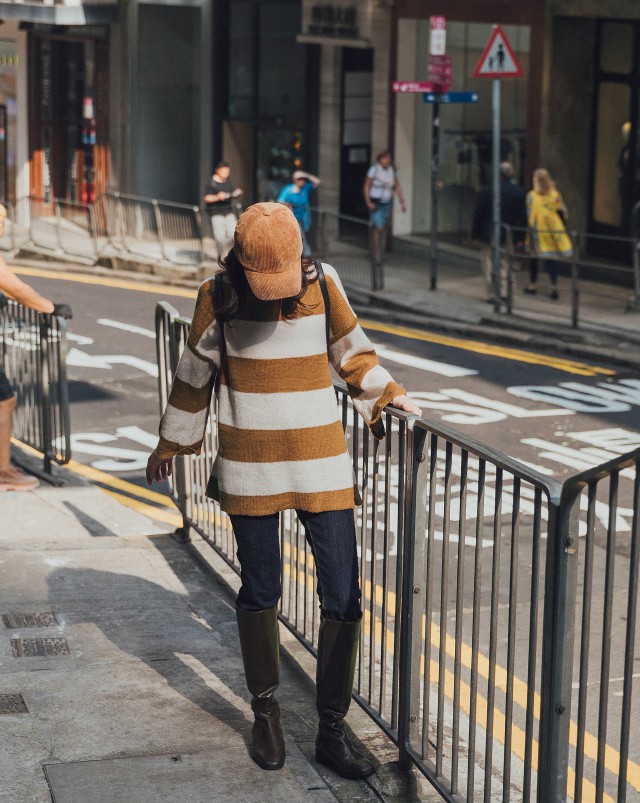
[
  {"x": 500, "y": 620},
  {"x": 33, "y": 350}
]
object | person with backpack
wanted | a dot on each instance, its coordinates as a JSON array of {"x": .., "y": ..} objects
[
  {"x": 380, "y": 186},
  {"x": 264, "y": 334}
]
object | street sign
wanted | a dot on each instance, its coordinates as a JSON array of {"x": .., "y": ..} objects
[
  {"x": 498, "y": 59},
  {"x": 438, "y": 41},
  {"x": 413, "y": 86},
  {"x": 439, "y": 67},
  {"x": 451, "y": 97}
]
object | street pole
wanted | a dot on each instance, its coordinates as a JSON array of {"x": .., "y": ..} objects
[
  {"x": 435, "y": 164},
  {"x": 496, "y": 194}
]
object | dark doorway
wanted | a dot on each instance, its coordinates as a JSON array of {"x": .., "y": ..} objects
[
  {"x": 615, "y": 148},
  {"x": 355, "y": 135}
]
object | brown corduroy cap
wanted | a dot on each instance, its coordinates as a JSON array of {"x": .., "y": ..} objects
[{"x": 268, "y": 245}]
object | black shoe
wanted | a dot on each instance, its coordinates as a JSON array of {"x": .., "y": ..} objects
[
  {"x": 530, "y": 291},
  {"x": 261, "y": 657},
  {"x": 337, "y": 650},
  {"x": 554, "y": 294}
]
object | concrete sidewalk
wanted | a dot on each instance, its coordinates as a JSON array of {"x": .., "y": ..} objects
[
  {"x": 120, "y": 673},
  {"x": 459, "y": 304}
]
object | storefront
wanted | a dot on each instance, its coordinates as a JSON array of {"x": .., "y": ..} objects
[
  {"x": 69, "y": 113},
  {"x": 267, "y": 104},
  {"x": 465, "y": 129}
]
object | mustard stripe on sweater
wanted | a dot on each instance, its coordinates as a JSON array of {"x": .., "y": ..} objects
[{"x": 281, "y": 443}]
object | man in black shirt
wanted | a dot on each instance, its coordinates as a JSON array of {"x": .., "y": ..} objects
[
  {"x": 513, "y": 212},
  {"x": 218, "y": 195}
]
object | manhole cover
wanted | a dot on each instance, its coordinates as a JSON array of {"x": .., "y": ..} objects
[
  {"x": 29, "y": 647},
  {"x": 41, "y": 619},
  {"x": 12, "y": 704}
]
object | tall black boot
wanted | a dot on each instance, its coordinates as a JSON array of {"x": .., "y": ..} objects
[
  {"x": 337, "y": 651},
  {"x": 260, "y": 654}
]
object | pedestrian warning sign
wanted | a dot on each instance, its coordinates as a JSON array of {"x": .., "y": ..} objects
[{"x": 498, "y": 59}]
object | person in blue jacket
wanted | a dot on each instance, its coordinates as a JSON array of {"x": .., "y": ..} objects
[{"x": 296, "y": 197}]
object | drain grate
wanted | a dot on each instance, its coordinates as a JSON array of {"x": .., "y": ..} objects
[
  {"x": 13, "y": 704},
  {"x": 40, "y": 619},
  {"x": 30, "y": 647}
]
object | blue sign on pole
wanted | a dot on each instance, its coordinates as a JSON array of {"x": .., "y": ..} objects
[{"x": 451, "y": 97}]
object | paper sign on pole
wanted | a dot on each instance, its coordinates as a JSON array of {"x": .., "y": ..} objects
[
  {"x": 498, "y": 59},
  {"x": 438, "y": 41}
]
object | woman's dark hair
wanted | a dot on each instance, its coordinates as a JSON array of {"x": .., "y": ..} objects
[
  {"x": 236, "y": 287},
  {"x": 384, "y": 153}
]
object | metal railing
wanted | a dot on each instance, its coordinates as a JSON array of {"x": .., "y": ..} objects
[
  {"x": 346, "y": 242},
  {"x": 482, "y": 600},
  {"x": 33, "y": 351},
  {"x": 518, "y": 258}
]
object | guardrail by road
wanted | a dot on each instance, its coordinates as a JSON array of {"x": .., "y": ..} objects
[
  {"x": 33, "y": 351},
  {"x": 493, "y": 642}
]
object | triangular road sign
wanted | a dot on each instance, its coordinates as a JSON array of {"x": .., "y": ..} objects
[{"x": 498, "y": 59}]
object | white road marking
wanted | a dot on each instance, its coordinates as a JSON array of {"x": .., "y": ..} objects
[
  {"x": 81, "y": 359},
  {"x": 127, "y": 327},
  {"x": 81, "y": 340},
  {"x": 422, "y": 364}
]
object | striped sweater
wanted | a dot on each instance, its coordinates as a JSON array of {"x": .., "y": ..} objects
[{"x": 281, "y": 441}]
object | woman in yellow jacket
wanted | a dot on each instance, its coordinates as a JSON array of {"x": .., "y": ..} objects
[{"x": 548, "y": 238}]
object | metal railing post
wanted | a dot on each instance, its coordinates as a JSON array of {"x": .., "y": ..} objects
[
  {"x": 197, "y": 227},
  {"x": 158, "y": 218},
  {"x": 56, "y": 206},
  {"x": 557, "y": 646},
  {"x": 415, "y": 526},
  {"x": 633, "y": 303},
  {"x": 575, "y": 281},
  {"x": 45, "y": 401}
]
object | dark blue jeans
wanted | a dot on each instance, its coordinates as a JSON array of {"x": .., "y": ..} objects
[{"x": 332, "y": 538}]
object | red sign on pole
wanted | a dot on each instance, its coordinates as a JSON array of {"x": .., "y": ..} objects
[
  {"x": 498, "y": 59},
  {"x": 414, "y": 86}
]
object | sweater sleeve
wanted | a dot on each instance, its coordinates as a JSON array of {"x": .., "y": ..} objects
[
  {"x": 354, "y": 359},
  {"x": 184, "y": 421}
]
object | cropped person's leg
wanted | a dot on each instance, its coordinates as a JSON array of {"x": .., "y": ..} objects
[
  {"x": 332, "y": 537},
  {"x": 11, "y": 478},
  {"x": 258, "y": 551}
]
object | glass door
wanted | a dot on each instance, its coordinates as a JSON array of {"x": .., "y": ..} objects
[{"x": 615, "y": 178}]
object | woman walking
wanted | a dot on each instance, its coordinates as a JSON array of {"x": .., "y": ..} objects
[
  {"x": 380, "y": 185},
  {"x": 548, "y": 238},
  {"x": 260, "y": 335}
]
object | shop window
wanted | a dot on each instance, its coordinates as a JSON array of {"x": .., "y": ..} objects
[
  {"x": 612, "y": 153},
  {"x": 616, "y": 47},
  {"x": 465, "y": 129}
]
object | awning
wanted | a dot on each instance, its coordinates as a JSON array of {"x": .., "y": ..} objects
[{"x": 58, "y": 14}]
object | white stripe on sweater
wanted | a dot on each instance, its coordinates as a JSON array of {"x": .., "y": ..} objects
[
  {"x": 296, "y": 476},
  {"x": 273, "y": 340},
  {"x": 270, "y": 411},
  {"x": 181, "y": 427},
  {"x": 193, "y": 370}
]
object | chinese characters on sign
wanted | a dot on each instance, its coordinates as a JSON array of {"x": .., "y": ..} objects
[{"x": 334, "y": 20}]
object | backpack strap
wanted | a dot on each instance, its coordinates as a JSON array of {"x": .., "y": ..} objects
[
  {"x": 325, "y": 295},
  {"x": 218, "y": 292}
]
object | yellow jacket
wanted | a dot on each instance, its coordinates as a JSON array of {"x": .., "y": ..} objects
[{"x": 548, "y": 236}]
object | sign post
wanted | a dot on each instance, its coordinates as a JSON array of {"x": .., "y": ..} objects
[
  {"x": 498, "y": 61},
  {"x": 437, "y": 49},
  {"x": 436, "y": 91}
]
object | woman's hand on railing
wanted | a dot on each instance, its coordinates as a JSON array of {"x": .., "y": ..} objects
[
  {"x": 158, "y": 469},
  {"x": 405, "y": 403}
]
